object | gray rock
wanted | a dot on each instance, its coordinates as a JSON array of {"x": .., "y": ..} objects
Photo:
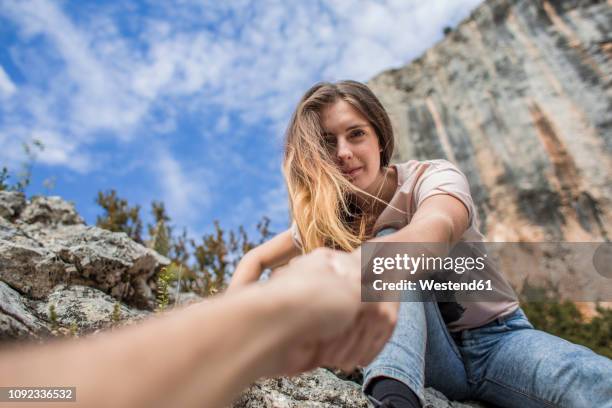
[
  {"x": 17, "y": 322},
  {"x": 320, "y": 388},
  {"x": 518, "y": 96},
  {"x": 11, "y": 204},
  {"x": 48, "y": 244},
  {"x": 50, "y": 211},
  {"x": 88, "y": 308},
  {"x": 316, "y": 389},
  {"x": 435, "y": 399}
]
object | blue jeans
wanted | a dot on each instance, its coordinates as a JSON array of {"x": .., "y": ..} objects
[{"x": 506, "y": 362}]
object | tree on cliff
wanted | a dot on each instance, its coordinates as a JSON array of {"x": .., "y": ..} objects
[{"x": 118, "y": 215}]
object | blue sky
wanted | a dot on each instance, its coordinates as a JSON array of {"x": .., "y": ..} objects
[{"x": 186, "y": 101}]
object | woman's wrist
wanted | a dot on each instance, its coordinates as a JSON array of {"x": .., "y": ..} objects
[{"x": 247, "y": 271}]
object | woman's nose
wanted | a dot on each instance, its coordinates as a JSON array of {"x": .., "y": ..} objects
[{"x": 343, "y": 151}]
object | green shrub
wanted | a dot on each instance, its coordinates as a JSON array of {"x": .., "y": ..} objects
[
  {"x": 163, "y": 283},
  {"x": 53, "y": 317},
  {"x": 564, "y": 319},
  {"x": 116, "y": 315},
  {"x": 119, "y": 216}
]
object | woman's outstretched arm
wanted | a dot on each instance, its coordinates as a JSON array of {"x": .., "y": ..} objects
[
  {"x": 271, "y": 254},
  {"x": 203, "y": 355},
  {"x": 440, "y": 218}
]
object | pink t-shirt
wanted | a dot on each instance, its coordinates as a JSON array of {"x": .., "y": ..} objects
[{"x": 416, "y": 181}]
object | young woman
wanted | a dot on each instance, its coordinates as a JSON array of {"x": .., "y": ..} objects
[{"x": 344, "y": 191}]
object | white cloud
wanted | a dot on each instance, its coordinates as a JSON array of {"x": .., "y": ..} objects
[
  {"x": 99, "y": 99},
  {"x": 184, "y": 191},
  {"x": 56, "y": 149},
  {"x": 7, "y": 87},
  {"x": 60, "y": 150}
]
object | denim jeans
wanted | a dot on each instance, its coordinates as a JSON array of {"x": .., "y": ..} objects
[{"x": 506, "y": 362}]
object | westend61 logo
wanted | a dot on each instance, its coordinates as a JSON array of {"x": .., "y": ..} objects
[{"x": 479, "y": 271}]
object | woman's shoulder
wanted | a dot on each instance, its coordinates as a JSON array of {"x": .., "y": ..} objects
[
  {"x": 412, "y": 165},
  {"x": 411, "y": 170}
]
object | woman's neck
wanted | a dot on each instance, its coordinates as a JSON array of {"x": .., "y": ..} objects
[{"x": 383, "y": 189}]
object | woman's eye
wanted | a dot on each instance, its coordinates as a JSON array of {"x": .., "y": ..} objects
[
  {"x": 330, "y": 142},
  {"x": 358, "y": 133}
]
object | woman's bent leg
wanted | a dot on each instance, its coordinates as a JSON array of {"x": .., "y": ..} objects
[
  {"x": 444, "y": 368},
  {"x": 420, "y": 331},
  {"x": 403, "y": 357},
  {"x": 516, "y": 365},
  {"x": 421, "y": 352}
]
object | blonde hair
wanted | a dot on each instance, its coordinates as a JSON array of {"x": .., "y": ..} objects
[{"x": 321, "y": 199}]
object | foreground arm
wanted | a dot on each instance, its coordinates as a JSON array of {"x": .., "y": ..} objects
[{"x": 204, "y": 354}]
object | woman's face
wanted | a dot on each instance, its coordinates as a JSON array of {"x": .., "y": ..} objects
[{"x": 353, "y": 143}]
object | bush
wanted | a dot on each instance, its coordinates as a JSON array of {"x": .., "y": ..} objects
[
  {"x": 564, "y": 319},
  {"x": 119, "y": 216}
]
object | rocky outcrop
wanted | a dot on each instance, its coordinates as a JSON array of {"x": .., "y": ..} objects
[
  {"x": 17, "y": 320},
  {"x": 320, "y": 388},
  {"x": 57, "y": 273},
  {"x": 519, "y": 96},
  {"x": 75, "y": 307},
  {"x": 44, "y": 242}
]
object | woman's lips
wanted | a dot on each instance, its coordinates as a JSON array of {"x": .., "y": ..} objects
[{"x": 354, "y": 172}]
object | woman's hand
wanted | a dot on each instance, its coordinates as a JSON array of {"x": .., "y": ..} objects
[{"x": 362, "y": 342}]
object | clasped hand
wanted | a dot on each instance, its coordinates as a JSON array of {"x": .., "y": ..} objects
[{"x": 334, "y": 328}]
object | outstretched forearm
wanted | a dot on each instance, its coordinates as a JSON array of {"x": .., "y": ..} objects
[
  {"x": 441, "y": 219},
  {"x": 199, "y": 356},
  {"x": 249, "y": 270}
]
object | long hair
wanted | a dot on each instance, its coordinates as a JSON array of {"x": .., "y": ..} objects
[{"x": 321, "y": 199}]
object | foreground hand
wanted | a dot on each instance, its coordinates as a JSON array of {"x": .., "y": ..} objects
[
  {"x": 322, "y": 302},
  {"x": 361, "y": 342},
  {"x": 338, "y": 329}
]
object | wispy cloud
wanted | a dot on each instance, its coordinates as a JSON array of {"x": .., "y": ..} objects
[
  {"x": 184, "y": 191},
  {"x": 7, "y": 87},
  {"x": 96, "y": 98}
]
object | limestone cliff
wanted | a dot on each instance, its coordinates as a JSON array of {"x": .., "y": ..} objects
[{"x": 519, "y": 96}]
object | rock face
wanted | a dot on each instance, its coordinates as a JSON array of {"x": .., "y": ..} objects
[
  {"x": 44, "y": 243},
  {"x": 519, "y": 96},
  {"x": 49, "y": 259}
]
